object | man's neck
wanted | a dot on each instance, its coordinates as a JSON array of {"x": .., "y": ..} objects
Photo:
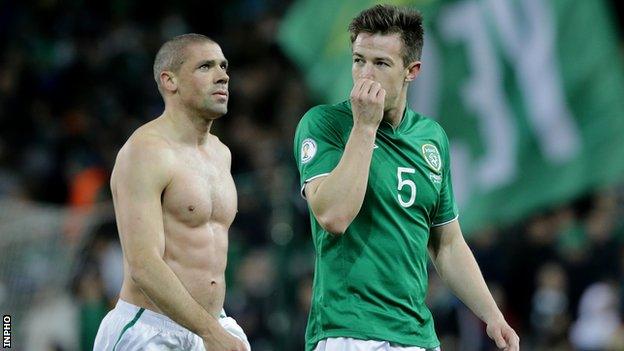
[
  {"x": 187, "y": 127},
  {"x": 395, "y": 115}
]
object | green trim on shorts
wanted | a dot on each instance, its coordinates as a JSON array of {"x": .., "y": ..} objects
[{"x": 129, "y": 325}]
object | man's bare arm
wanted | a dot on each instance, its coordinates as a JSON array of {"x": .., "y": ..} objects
[
  {"x": 337, "y": 198},
  {"x": 458, "y": 268},
  {"x": 141, "y": 174}
]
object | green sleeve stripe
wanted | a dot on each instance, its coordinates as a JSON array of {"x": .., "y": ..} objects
[{"x": 129, "y": 325}]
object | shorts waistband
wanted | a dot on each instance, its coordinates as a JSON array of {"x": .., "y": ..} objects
[{"x": 148, "y": 317}]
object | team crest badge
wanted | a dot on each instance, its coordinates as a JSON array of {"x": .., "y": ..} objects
[
  {"x": 308, "y": 150},
  {"x": 432, "y": 156}
]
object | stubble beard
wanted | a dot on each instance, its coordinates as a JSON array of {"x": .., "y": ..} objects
[{"x": 212, "y": 110}]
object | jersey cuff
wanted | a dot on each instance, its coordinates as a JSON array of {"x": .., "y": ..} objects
[
  {"x": 308, "y": 180},
  {"x": 443, "y": 223}
]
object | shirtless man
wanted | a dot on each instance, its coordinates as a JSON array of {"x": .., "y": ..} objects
[{"x": 174, "y": 202}]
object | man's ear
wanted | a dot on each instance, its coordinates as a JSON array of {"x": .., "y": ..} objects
[
  {"x": 168, "y": 81},
  {"x": 412, "y": 71}
]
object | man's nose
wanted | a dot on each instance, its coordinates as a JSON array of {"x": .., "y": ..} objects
[
  {"x": 367, "y": 71},
  {"x": 222, "y": 76}
]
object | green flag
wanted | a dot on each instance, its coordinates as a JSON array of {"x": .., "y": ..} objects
[{"x": 530, "y": 92}]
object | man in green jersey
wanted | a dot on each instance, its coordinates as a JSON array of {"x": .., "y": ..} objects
[{"x": 377, "y": 179}]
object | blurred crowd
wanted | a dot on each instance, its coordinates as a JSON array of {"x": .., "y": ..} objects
[
  {"x": 76, "y": 80},
  {"x": 558, "y": 277}
]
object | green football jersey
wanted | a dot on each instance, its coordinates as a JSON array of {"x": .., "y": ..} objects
[{"x": 370, "y": 283}]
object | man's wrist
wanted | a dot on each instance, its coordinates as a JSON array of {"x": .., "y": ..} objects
[
  {"x": 209, "y": 327},
  {"x": 368, "y": 130},
  {"x": 494, "y": 317}
]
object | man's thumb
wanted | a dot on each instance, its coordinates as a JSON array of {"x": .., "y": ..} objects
[{"x": 498, "y": 338}]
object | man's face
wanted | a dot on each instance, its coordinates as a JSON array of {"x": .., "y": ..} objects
[
  {"x": 378, "y": 57},
  {"x": 203, "y": 79}
]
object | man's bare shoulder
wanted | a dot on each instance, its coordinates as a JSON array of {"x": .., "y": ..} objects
[
  {"x": 147, "y": 143},
  {"x": 218, "y": 148},
  {"x": 147, "y": 150},
  {"x": 224, "y": 149}
]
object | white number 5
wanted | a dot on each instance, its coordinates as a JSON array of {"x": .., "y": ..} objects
[{"x": 404, "y": 182}]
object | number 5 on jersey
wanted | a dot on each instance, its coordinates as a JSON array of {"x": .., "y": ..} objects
[{"x": 406, "y": 182}]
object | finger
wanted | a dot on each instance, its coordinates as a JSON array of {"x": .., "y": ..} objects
[
  {"x": 358, "y": 91},
  {"x": 512, "y": 339},
  {"x": 498, "y": 339},
  {"x": 360, "y": 82},
  {"x": 381, "y": 95},
  {"x": 374, "y": 90},
  {"x": 366, "y": 87},
  {"x": 356, "y": 88}
]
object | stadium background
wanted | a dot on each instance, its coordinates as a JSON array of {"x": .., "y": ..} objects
[{"x": 541, "y": 189}]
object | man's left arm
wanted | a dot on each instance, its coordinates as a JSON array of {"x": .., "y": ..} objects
[{"x": 458, "y": 268}]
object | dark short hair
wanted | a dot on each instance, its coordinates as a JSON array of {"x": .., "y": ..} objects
[
  {"x": 388, "y": 19},
  {"x": 172, "y": 53}
]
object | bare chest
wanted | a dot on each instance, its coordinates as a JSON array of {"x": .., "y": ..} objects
[{"x": 201, "y": 191}]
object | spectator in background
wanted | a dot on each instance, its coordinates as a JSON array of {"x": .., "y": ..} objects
[
  {"x": 598, "y": 319},
  {"x": 550, "y": 318},
  {"x": 51, "y": 323},
  {"x": 97, "y": 280}
]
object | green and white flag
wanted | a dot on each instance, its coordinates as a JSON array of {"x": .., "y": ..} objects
[{"x": 530, "y": 92}]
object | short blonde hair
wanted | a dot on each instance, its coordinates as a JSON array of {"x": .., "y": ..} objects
[{"x": 172, "y": 54}]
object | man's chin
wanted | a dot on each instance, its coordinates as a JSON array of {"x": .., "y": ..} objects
[
  {"x": 218, "y": 116},
  {"x": 216, "y": 112},
  {"x": 221, "y": 111}
]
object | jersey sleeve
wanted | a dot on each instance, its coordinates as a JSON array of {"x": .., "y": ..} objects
[
  {"x": 447, "y": 208},
  {"x": 318, "y": 145}
]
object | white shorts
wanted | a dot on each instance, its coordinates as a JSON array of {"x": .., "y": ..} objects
[
  {"x": 350, "y": 344},
  {"x": 129, "y": 327}
]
